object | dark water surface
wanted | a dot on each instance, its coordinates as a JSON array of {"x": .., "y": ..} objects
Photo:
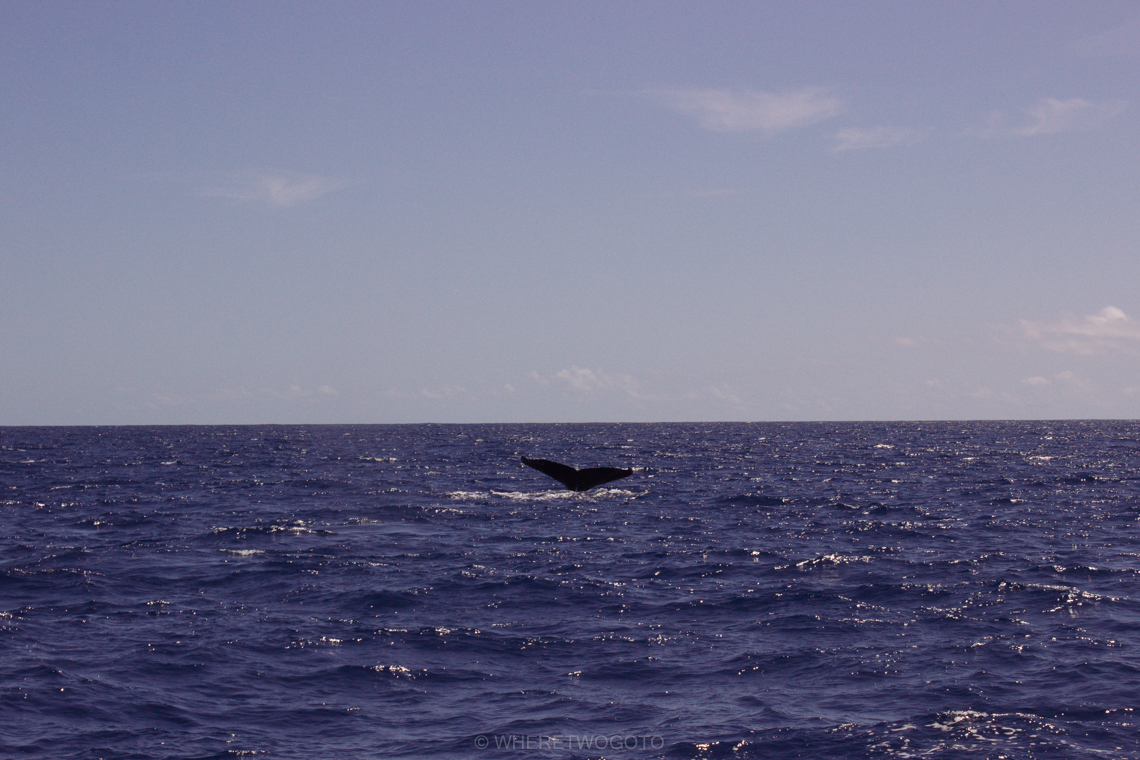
[{"x": 895, "y": 590}]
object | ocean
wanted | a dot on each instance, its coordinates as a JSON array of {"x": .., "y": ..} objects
[{"x": 759, "y": 590}]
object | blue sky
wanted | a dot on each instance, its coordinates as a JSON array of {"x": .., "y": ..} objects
[{"x": 535, "y": 211}]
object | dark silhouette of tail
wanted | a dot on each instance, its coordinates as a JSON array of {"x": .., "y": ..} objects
[{"x": 577, "y": 480}]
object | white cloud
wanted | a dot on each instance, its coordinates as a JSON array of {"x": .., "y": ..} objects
[
  {"x": 1071, "y": 379},
  {"x": 1109, "y": 330},
  {"x": 723, "y": 394},
  {"x": 858, "y": 138},
  {"x": 291, "y": 393},
  {"x": 745, "y": 111},
  {"x": 1050, "y": 116},
  {"x": 276, "y": 189},
  {"x": 587, "y": 380},
  {"x": 449, "y": 392},
  {"x": 1065, "y": 381}
]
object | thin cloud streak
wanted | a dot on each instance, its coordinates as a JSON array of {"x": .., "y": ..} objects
[
  {"x": 282, "y": 189},
  {"x": 1052, "y": 116},
  {"x": 858, "y": 138},
  {"x": 747, "y": 111}
]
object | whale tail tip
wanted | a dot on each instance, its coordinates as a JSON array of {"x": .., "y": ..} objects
[{"x": 577, "y": 480}]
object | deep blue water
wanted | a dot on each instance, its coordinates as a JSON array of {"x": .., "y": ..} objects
[{"x": 895, "y": 590}]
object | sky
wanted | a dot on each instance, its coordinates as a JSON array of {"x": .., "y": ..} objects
[{"x": 647, "y": 210}]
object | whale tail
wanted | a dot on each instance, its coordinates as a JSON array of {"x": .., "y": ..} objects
[{"x": 577, "y": 480}]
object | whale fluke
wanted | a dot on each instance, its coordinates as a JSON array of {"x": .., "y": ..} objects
[{"x": 577, "y": 480}]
